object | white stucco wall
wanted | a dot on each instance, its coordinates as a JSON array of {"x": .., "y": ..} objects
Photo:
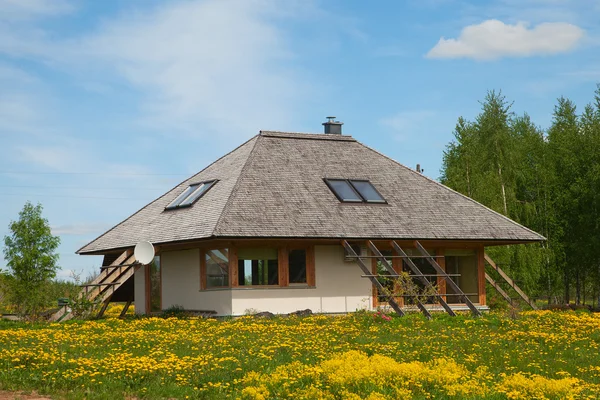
[
  {"x": 339, "y": 288},
  {"x": 181, "y": 284},
  {"x": 139, "y": 291}
]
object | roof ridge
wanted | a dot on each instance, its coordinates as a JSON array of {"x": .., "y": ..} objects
[
  {"x": 163, "y": 195},
  {"x": 237, "y": 183},
  {"x": 453, "y": 191}
]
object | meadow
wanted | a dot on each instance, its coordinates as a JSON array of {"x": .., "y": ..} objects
[{"x": 541, "y": 355}]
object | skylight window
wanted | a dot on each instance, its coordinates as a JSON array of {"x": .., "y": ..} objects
[
  {"x": 354, "y": 191},
  {"x": 191, "y": 194}
]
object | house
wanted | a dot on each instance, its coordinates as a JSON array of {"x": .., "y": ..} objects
[{"x": 263, "y": 228}]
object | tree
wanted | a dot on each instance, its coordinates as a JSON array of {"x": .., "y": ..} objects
[{"x": 31, "y": 259}]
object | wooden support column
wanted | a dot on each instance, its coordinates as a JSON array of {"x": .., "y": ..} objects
[
  {"x": 481, "y": 275},
  {"x": 202, "y": 269},
  {"x": 233, "y": 267},
  {"x": 283, "y": 257},
  {"x": 311, "y": 278},
  {"x": 104, "y": 307},
  {"x": 397, "y": 265},
  {"x": 148, "y": 290},
  {"x": 124, "y": 311},
  {"x": 441, "y": 282},
  {"x": 375, "y": 296}
]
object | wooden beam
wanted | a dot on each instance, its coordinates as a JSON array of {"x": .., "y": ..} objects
[
  {"x": 441, "y": 282},
  {"x": 104, "y": 307},
  {"x": 449, "y": 281},
  {"x": 498, "y": 288},
  {"x": 311, "y": 277},
  {"x": 124, "y": 311},
  {"x": 390, "y": 269},
  {"x": 283, "y": 266},
  {"x": 233, "y": 267},
  {"x": 420, "y": 276},
  {"x": 373, "y": 280},
  {"x": 203, "y": 270},
  {"x": 481, "y": 276},
  {"x": 510, "y": 281}
]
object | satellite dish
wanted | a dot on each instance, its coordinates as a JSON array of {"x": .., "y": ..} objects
[{"x": 144, "y": 252}]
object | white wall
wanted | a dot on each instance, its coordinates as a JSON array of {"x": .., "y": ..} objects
[
  {"x": 181, "y": 284},
  {"x": 339, "y": 288},
  {"x": 139, "y": 290}
]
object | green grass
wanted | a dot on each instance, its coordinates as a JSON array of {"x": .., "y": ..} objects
[{"x": 170, "y": 358}]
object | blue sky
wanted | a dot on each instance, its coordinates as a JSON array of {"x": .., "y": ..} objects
[{"x": 105, "y": 105}]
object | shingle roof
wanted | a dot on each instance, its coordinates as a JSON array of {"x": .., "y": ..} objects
[{"x": 272, "y": 186}]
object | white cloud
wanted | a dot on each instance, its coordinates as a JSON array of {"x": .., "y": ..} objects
[{"x": 493, "y": 39}]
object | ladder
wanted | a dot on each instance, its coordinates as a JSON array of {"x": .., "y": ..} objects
[
  {"x": 101, "y": 289},
  {"x": 440, "y": 272}
]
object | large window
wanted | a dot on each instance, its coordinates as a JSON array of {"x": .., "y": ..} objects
[
  {"x": 258, "y": 266},
  {"x": 297, "y": 266},
  {"x": 354, "y": 191},
  {"x": 190, "y": 195},
  {"x": 217, "y": 268}
]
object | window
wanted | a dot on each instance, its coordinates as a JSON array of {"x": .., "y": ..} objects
[
  {"x": 191, "y": 194},
  {"x": 354, "y": 191},
  {"x": 217, "y": 268},
  {"x": 258, "y": 267},
  {"x": 297, "y": 266},
  {"x": 367, "y": 191}
]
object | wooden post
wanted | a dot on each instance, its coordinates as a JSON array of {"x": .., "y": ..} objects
[
  {"x": 202, "y": 269},
  {"x": 148, "y": 289},
  {"x": 481, "y": 276},
  {"x": 233, "y": 267},
  {"x": 104, "y": 307},
  {"x": 398, "y": 267},
  {"x": 283, "y": 271},
  {"x": 124, "y": 311},
  {"x": 441, "y": 282},
  {"x": 311, "y": 278}
]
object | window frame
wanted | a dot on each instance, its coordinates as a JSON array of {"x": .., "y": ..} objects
[
  {"x": 177, "y": 203},
  {"x": 282, "y": 267},
  {"x": 362, "y": 200}
]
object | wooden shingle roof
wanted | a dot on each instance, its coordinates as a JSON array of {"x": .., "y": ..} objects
[{"x": 272, "y": 187}]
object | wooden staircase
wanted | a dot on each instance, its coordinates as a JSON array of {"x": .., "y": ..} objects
[
  {"x": 508, "y": 280},
  {"x": 101, "y": 289}
]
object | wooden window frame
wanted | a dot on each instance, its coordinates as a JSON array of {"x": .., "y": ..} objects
[{"x": 282, "y": 268}]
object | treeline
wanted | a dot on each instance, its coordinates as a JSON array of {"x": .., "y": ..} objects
[{"x": 548, "y": 181}]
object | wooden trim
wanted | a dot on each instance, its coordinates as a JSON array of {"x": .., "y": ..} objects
[
  {"x": 311, "y": 279},
  {"x": 374, "y": 291},
  {"x": 441, "y": 282},
  {"x": 147, "y": 289},
  {"x": 283, "y": 266},
  {"x": 481, "y": 275},
  {"x": 397, "y": 264},
  {"x": 233, "y": 267},
  {"x": 202, "y": 269},
  {"x": 160, "y": 281}
]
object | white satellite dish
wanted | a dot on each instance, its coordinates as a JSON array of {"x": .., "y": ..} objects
[{"x": 144, "y": 252}]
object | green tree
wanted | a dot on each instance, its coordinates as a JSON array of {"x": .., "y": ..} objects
[{"x": 31, "y": 259}]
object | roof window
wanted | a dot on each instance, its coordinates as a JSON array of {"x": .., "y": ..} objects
[
  {"x": 191, "y": 194},
  {"x": 354, "y": 191}
]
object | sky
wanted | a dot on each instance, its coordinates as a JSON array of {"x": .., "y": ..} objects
[{"x": 106, "y": 105}]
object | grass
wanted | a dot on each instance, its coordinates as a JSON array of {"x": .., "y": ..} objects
[{"x": 539, "y": 355}]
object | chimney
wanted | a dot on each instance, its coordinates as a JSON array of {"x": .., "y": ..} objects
[
  {"x": 419, "y": 170},
  {"x": 332, "y": 126}
]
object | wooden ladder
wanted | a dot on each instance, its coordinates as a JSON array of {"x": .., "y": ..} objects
[
  {"x": 101, "y": 289},
  {"x": 512, "y": 284}
]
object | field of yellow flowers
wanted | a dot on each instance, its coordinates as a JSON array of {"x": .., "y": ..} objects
[{"x": 541, "y": 355}]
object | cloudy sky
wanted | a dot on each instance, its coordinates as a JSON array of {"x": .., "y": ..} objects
[{"x": 105, "y": 105}]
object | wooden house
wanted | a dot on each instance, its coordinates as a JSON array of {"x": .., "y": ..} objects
[{"x": 278, "y": 224}]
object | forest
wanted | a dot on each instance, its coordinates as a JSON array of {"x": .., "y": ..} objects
[{"x": 547, "y": 180}]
